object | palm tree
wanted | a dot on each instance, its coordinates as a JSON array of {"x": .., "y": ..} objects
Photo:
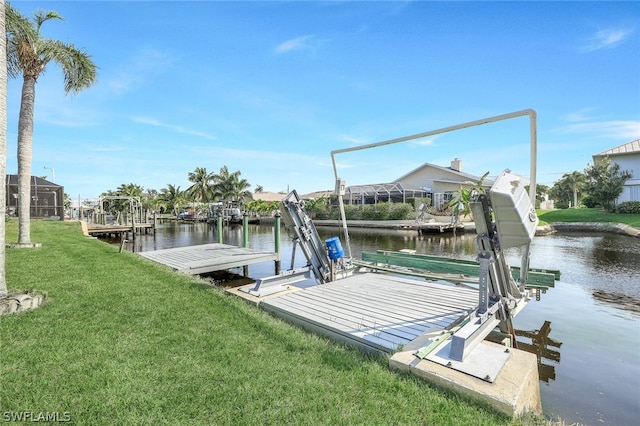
[
  {"x": 130, "y": 190},
  {"x": 576, "y": 181},
  {"x": 229, "y": 186},
  {"x": 3, "y": 148},
  {"x": 28, "y": 54},
  {"x": 201, "y": 190},
  {"x": 460, "y": 203},
  {"x": 173, "y": 197}
]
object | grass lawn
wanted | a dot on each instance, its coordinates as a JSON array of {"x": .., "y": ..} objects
[
  {"x": 587, "y": 215},
  {"x": 124, "y": 341}
]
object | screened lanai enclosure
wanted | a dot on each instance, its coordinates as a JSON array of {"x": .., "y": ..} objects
[
  {"x": 47, "y": 198},
  {"x": 385, "y": 192}
]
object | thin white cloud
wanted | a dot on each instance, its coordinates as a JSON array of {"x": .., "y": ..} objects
[
  {"x": 606, "y": 39},
  {"x": 578, "y": 116},
  {"x": 354, "y": 140},
  {"x": 617, "y": 129},
  {"x": 179, "y": 129},
  {"x": 298, "y": 43},
  {"x": 423, "y": 141},
  {"x": 142, "y": 66}
]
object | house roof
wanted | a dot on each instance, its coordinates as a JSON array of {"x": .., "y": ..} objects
[
  {"x": 268, "y": 196},
  {"x": 397, "y": 187},
  {"x": 466, "y": 176},
  {"x": 35, "y": 181},
  {"x": 279, "y": 196},
  {"x": 632, "y": 147}
]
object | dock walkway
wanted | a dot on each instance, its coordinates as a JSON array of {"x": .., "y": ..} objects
[
  {"x": 374, "y": 311},
  {"x": 205, "y": 258}
]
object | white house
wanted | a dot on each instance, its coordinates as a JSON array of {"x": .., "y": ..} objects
[
  {"x": 627, "y": 156},
  {"x": 427, "y": 181}
]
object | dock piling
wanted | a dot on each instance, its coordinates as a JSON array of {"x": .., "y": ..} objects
[
  {"x": 276, "y": 233},
  {"x": 219, "y": 228},
  {"x": 245, "y": 230}
]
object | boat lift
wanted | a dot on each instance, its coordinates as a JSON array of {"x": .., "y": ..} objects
[
  {"x": 322, "y": 264},
  {"x": 505, "y": 217}
]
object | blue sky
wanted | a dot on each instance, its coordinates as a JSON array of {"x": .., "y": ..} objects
[{"x": 271, "y": 88}]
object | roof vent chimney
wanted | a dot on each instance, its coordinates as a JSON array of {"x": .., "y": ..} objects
[{"x": 456, "y": 164}]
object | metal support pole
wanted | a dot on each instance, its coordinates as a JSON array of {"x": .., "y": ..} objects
[
  {"x": 276, "y": 233},
  {"x": 245, "y": 230},
  {"x": 133, "y": 219}
]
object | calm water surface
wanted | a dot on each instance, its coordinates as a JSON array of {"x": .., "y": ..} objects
[{"x": 590, "y": 358}]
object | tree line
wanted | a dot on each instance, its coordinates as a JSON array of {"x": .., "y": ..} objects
[
  {"x": 225, "y": 187},
  {"x": 599, "y": 185}
]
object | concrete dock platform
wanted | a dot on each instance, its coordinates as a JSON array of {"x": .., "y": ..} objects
[
  {"x": 515, "y": 390},
  {"x": 377, "y": 312}
]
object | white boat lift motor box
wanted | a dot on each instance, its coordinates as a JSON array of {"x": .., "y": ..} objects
[{"x": 516, "y": 219}]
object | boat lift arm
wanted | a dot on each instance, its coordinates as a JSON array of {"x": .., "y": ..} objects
[
  {"x": 307, "y": 237},
  {"x": 499, "y": 296}
]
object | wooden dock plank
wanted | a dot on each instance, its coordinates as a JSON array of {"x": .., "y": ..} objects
[
  {"x": 376, "y": 311},
  {"x": 205, "y": 258}
]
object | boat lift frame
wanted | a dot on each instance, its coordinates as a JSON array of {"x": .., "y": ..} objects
[
  {"x": 531, "y": 113},
  {"x": 499, "y": 296}
]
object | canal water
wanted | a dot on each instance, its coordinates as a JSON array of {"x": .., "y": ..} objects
[{"x": 585, "y": 331}]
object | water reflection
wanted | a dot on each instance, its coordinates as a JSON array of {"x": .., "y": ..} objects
[
  {"x": 538, "y": 342},
  {"x": 617, "y": 300}
]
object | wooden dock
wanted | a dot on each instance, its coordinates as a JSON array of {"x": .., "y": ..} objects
[
  {"x": 374, "y": 311},
  {"x": 94, "y": 229},
  {"x": 435, "y": 227},
  {"x": 205, "y": 258}
]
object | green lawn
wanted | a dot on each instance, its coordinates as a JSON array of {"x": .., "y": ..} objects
[
  {"x": 587, "y": 215},
  {"x": 123, "y": 341}
]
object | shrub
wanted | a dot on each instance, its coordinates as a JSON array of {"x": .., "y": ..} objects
[
  {"x": 590, "y": 202},
  {"x": 629, "y": 207}
]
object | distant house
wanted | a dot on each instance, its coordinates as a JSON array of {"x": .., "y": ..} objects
[
  {"x": 279, "y": 196},
  {"x": 268, "y": 197},
  {"x": 437, "y": 183},
  {"x": 627, "y": 156},
  {"x": 47, "y": 198}
]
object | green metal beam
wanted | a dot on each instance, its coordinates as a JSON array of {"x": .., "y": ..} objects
[{"x": 445, "y": 265}]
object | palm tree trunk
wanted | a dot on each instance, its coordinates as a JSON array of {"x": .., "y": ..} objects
[
  {"x": 25, "y": 150},
  {"x": 3, "y": 149}
]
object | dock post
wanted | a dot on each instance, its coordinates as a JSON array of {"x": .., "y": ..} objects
[
  {"x": 155, "y": 221},
  {"x": 276, "y": 233},
  {"x": 219, "y": 227},
  {"x": 245, "y": 230},
  {"x": 133, "y": 224}
]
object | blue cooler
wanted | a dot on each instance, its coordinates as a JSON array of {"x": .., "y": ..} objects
[{"x": 334, "y": 248}]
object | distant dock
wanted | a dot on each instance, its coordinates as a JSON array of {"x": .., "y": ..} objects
[
  {"x": 432, "y": 227},
  {"x": 115, "y": 231}
]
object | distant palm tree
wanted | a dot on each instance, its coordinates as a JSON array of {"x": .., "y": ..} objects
[
  {"x": 173, "y": 197},
  {"x": 28, "y": 54},
  {"x": 130, "y": 190},
  {"x": 230, "y": 187},
  {"x": 259, "y": 189},
  {"x": 151, "y": 200},
  {"x": 3, "y": 148},
  {"x": 201, "y": 190},
  {"x": 576, "y": 181}
]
